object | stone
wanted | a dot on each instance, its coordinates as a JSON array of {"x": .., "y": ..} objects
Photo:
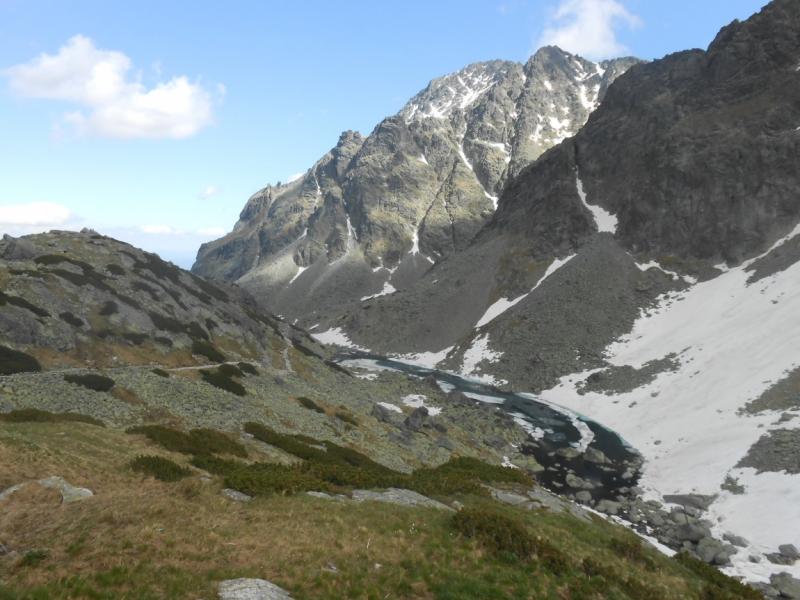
[
  {"x": 324, "y": 496},
  {"x": 608, "y": 507},
  {"x": 568, "y": 452},
  {"x": 69, "y": 493},
  {"x": 787, "y": 586},
  {"x": 236, "y": 495},
  {"x": 576, "y": 482},
  {"x": 381, "y": 413},
  {"x": 583, "y": 497},
  {"x": 789, "y": 551},
  {"x": 698, "y": 501},
  {"x": 398, "y": 496},
  {"x": 416, "y": 419},
  {"x": 714, "y": 552},
  {"x": 509, "y": 497},
  {"x": 595, "y": 456},
  {"x": 736, "y": 540},
  {"x": 693, "y": 532},
  {"x": 251, "y": 589}
]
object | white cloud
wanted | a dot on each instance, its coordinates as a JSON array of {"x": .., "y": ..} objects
[
  {"x": 589, "y": 27},
  {"x": 212, "y": 232},
  {"x": 34, "y": 214},
  {"x": 209, "y": 192},
  {"x": 113, "y": 104}
]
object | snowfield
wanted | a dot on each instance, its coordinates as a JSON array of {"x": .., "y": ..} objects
[{"x": 733, "y": 341}]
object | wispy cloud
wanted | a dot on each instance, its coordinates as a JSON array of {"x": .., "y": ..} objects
[
  {"x": 112, "y": 103},
  {"x": 209, "y": 192},
  {"x": 34, "y": 214},
  {"x": 589, "y": 27}
]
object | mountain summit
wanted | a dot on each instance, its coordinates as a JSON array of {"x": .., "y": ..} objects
[{"x": 373, "y": 214}]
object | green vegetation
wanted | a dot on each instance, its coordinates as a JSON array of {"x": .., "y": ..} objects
[
  {"x": 159, "y": 467},
  {"x": 219, "y": 379},
  {"x": 345, "y": 416},
  {"x": 33, "y": 557},
  {"x": 91, "y": 381},
  {"x": 199, "y": 442},
  {"x": 115, "y": 270},
  {"x": 160, "y": 372},
  {"x": 134, "y": 338},
  {"x": 310, "y": 405},
  {"x": 109, "y": 308},
  {"x": 230, "y": 370},
  {"x": 71, "y": 319},
  {"x": 248, "y": 368},
  {"x": 497, "y": 532},
  {"x": 22, "y": 303},
  {"x": 33, "y": 415},
  {"x": 13, "y": 361},
  {"x": 718, "y": 585},
  {"x": 204, "y": 348},
  {"x": 166, "y": 323}
]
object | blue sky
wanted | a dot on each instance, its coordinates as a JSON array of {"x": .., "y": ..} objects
[{"x": 155, "y": 121}]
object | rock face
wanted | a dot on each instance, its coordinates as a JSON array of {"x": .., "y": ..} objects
[{"x": 372, "y": 215}]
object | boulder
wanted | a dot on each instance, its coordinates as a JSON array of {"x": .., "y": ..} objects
[
  {"x": 583, "y": 497},
  {"x": 608, "y": 507},
  {"x": 398, "y": 496},
  {"x": 236, "y": 495},
  {"x": 692, "y": 532},
  {"x": 736, "y": 540},
  {"x": 251, "y": 589},
  {"x": 416, "y": 419},
  {"x": 698, "y": 501},
  {"x": 787, "y": 586},
  {"x": 789, "y": 551},
  {"x": 714, "y": 552}
]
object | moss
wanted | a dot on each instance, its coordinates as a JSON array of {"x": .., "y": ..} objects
[
  {"x": 71, "y": 319},
  {"x": 22, "y": 303},
  {"x": 208, "y": 350},
  {"x": 310, "y": 404},
  {"x": 247, "y": 368},
  {"x": 13, "y": 361},
  {"x": 159, "y": 467},
  {"x": 196, "y": 441},
  {"x": 222, "y": 381},
  {"x": 91, "y": 381},
  {"x": 33, "y": 415},
  {"x": 160, "y": 373}
]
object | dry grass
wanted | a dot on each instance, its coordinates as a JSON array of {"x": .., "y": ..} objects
[{"x": 140, "y": 538}]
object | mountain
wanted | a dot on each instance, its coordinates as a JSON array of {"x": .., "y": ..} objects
[
  {"x": 373, "y": 214},
  {"x": 644, "y": 273}
]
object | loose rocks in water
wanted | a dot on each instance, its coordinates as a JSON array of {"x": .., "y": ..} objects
[{"x": 251, "y": 589}]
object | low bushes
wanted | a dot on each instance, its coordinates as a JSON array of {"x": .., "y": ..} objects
[
  {"x": 204, "y": 348},
  {"x": 498, "y": 533},
  {"x": 197, "y": 441},
  {"x": 160, "y": 372},
  {"x": 91, "y": 381},
  {"x": 248, "y": 368},
  {"x": 22, "y": 303},
  {"x": 159, "y": 467},
  {"x": 219, "y": 379},
  {"x": 33, "y": 415},
  {"x": 71, "y": 319},
  {"x": 718, "y": 585},
  {"x": 13, "y": 361},
  {"x": 310, "y": 405}
]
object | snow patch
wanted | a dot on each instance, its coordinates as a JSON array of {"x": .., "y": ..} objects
[
  {"x": 390, "y": 406},
  {"x": 337, "y": 337},
  {"x": 388, "y": 289},
  {"x": 477, "y": 353},
  {"x": 604, "y": 220},
  {"x": 418, "y": 401},
  {"x": 300, "y": 271},
  {"x": 429, "y": 360}
]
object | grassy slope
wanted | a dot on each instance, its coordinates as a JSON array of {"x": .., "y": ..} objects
[{"x": 139, "y": 538}]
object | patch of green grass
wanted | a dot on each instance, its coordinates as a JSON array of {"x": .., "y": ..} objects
[
  {"x": 310, "y": 405},
  {"x": 246, "y": 367},
  {"x": 718, "y": 586},
  {"x": 196, "y": 441},
  {"x": 204, "y": 348},
  {"x": 33, "y": 558},
  {"x": 91, "y": 381},
  {"x": 220, "y": 380},
  {"x": 159, "y": 467},
  {"x": 34, "y": 415},
  {"x": 13, "y": 361}
]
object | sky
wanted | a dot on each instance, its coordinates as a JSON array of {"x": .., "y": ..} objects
[{"x": 154, "y": 121}]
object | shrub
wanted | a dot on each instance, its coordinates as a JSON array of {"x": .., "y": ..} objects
[
  {"x": 31, "y": 558},
  {"x": 248, "y": 368},
  {"x": 222, "y": 381},
  {"x": 98, "y": 383},
  {"x": 109, "y": 308},
  {"x": 206, "y": 349},
  {"x": 230, "y": 370},
  {"x": 33, "y": 415},
  {"x": 496, "y": 532},
  {"x": 22, "y": 303},
  {"x": 164, "y": 341},
  {"x": 13, "y": 361},
  {"x": 160, "y": 372},
  {"x": 135, "y": 338},
  {"x": 159, "y": 467},
  {"x": 196, "y": 441},
  {"x": 345, "y": 416},
  {"x": 166, "y": 323},
  {"x": 196, "y": 332},
  {"x": 631, "y": 548},
  {"x": 71, "y": 319},
  {"x": 211, "y": 324},
  {"x": 115, "y": 269},
  {"x": 265, "y": 478},
  {"x": 310, "y": 404}
]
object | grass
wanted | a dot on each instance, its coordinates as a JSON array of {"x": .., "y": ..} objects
[
  {"x": 159, "y": 467},
  {"x": 145, "y": 539},
  {"x": 13, "y": 361},
  {"x": 91, "y": 381},
  {"x": 33, "y": 415},
  {"x": 196, "y": 441}
]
